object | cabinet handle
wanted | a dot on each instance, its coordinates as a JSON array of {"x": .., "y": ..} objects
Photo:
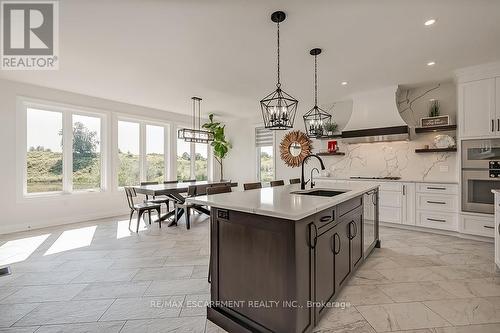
[
  {"x": 488, "y": 227},
  {"x": 436, "y": 188},
  {"x": 404, "y": 189},
  {"x": 435, "y": 220},
  {"x": 492, "y": 125},
  {"x": 498, "y": 124},
  {"x": 325, "y": 218},
  {"x": 349, "y": 233},
  {"x": 355, "y": 229},
  {"x": 315, "y": 239},
  {"x": 335, "y": 237},
  {"x": 436, "y": 202}
]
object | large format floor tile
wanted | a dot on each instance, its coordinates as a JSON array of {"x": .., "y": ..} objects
[{"x": 156, "y": 281}]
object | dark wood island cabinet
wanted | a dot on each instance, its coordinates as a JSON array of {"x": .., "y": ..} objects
[{"x": 273, "y": 274}]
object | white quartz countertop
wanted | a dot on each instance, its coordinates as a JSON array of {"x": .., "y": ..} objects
[
  {"x": 496, "y": 191},
  {"x": 388, "y": 180},
  {"x": 280, "y": 202}
]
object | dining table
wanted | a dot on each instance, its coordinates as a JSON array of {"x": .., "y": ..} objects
[{"x": 171, "y": 190}]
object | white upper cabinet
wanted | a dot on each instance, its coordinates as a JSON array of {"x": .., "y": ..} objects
[{"x": 478, "y": 115}]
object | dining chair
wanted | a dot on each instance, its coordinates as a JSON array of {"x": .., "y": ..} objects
[
  {"x": 219, "y": 189},
  {"x": 160, "y": 201},
  {"x": 252, "y": 186},
  {"x": 140, "y": 208},
  {"x": 277, "y": 183},
  {"x": 295, "y": 181},
  {"x": 180, "y": 203}
]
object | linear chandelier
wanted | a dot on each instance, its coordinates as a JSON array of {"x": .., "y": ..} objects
[
  {"x": 278, "y": 108},
  {"x": 195, "y": 134}
]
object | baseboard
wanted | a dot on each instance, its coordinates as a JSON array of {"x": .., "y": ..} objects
[
  {"x": 8, "y": 229},
  {"x": 438, "y": 232}
]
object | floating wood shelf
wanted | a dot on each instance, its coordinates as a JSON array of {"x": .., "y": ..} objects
[
  {"x": 338, "y": 153},
  {"x": 329, "y": 137},
  {"x": 436, "y": 150},
  {"x": 435, "y": 129}
]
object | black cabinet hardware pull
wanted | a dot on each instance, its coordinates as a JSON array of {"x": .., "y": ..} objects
[
  {"x": 436, "y": 188},
  {"x": 488, "y": 227},
  {"x": 336, "y": 239},
  {"x": 404, "y": 189},
  {"x": 315, "y": 239},
  {"x": 355, "y": 229},
  {"x": 325, "y": 218},
  {"x": 436, "y": 202},
  {"x": 492, "y": 125},
  {"x": 435, "y": 220},
  {"x": 349, "y": 233},
  {"x": 498, "y": 124}
]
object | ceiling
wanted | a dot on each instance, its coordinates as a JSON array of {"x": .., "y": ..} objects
[{"x": 160, "y": 53}]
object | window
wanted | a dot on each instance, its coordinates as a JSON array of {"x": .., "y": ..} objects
[
  {"x": 201, "y": 161},
  {"x": 141, "y": 152},
  {"x": 86, "y": 152},
  {"x": 183, "y": 160},
  {"x": 128, "y": 153},
  {"x": 63, "y": 150},
  {"x": 44, "y": 160},
  {"x": 155, "y": 153},
  {"x": 264, "y": 142}
]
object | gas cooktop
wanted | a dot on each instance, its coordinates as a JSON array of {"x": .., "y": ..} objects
[{"x": 384, "y": 178}]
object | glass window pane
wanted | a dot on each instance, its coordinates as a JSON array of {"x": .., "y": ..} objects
[
  {"x": 128, "y": 153},
  {"x": 86, "y": 152},
  {"x": 155, "y": 153},
  {"x": 266, "y": 163},
  {"x": 201, "y": 161},
  {"x": 183, "y": 160},
  {"x": 44, "y": 151}
]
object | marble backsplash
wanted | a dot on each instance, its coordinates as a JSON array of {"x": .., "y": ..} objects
[{"x": 395, "y": 159}]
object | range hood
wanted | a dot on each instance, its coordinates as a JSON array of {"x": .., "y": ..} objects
[{"x": 375, "y": 118}]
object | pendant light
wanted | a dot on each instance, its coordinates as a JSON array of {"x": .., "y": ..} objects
[
  {"x": 195, "y": 134},
  {"x": 278, "y": 108},
  {"x": 316, "y": 119}
]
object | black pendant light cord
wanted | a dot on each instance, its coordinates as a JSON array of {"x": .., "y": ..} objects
[
  {"x": 279, "y": 83},
  {"x": 315, "y": 80}
]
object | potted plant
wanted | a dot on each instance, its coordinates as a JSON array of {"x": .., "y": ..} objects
[
  {"x": 220, "y": 145},
  {"x": 434, "y": 108},
  {"x": 330, "y": 128}
]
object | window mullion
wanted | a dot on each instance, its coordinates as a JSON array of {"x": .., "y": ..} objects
[
  {"x": 142, "y": 153},
  {"x": 193, "y": 157},
  {"x": 67, "y": 140}
]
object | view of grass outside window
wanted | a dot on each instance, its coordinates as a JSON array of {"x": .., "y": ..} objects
[
  {"x": 201, "y": 161},
  {"x": 128, "y": 153},
  {"x": 86, "y": 153},
  {"x": 44, "y": 151},
  {"x": 155, "y": 153},
  {"x": 266, "y": 163},
  {"x": 183, "y": 160}
]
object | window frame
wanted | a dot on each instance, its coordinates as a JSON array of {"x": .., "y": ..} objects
[
  {"x": 143, "y": 122},
  {"x": 67, "y": 111},
  {"x": 257, "y": 153}
]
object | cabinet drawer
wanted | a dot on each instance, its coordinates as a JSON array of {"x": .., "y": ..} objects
[
  {"x": 325, "y": 217},
  {"x": 390, "y": 199},
  {"x": 434, "y": 202},
  {"x": 437, "y": 188},
  {"x": 478, "y": 225},
  {"x": 389, "y": 186},
  {"x": 444, "y": 221},
  {"x": 390, "y": 214},
  {"x": 347, "y": 206}
]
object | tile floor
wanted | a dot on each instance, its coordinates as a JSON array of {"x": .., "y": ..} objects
[{"x": 78, "y": 278}]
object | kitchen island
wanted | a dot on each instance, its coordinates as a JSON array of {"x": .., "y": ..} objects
[{"x": 279, "y": 256}]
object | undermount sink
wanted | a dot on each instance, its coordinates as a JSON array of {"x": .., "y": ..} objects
[{"x": 320, "y": 193}]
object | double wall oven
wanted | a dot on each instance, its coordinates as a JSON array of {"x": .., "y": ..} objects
[{"x": 480, "y": 174}]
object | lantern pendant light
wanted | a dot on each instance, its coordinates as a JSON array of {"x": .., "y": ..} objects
[
  {"x": 316, "y": 119},
  {"x": 278, "y": 108},
  {"x": 195, "y": 134}
]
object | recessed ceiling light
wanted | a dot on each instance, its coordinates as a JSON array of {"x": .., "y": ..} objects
[
  {"x": 430, "y": 22},
  {"x": 431, "y": 63},
  {"x": 344, "y": 83}
]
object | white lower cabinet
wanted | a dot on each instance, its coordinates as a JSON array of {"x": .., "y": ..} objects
[
  {"x": 479, "y": 225},
  {"x": 437, "y": 206},
  {"x": 408, "y": 207}
]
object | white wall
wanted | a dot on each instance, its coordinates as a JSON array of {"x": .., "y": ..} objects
[{"x": 21, "y": 214}]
